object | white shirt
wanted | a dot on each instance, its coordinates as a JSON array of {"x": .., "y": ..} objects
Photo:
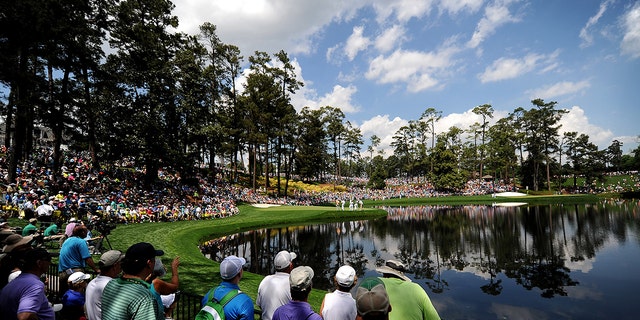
[
  {"x": 339, "y": 305},
  {"x": 273, "y": 292},
  {"x": 93, "y": 296}
]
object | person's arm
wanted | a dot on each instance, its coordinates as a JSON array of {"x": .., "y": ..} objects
[
  {"x": 92, "y": 265},
  {"x": 164, "y": 287},
  {"x": 27, "y": 316},
  {"x": 322, "y": 305}
]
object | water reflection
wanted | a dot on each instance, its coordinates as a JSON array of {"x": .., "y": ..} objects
[{"x": 512, "y": 256}]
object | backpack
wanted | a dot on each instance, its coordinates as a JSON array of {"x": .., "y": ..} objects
[{"x": 214, "y": 309}]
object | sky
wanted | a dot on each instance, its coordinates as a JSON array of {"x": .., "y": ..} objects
[{"x": 384, "y": 62}]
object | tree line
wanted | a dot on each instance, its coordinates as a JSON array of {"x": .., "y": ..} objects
[{"x": 116, "y": 79}]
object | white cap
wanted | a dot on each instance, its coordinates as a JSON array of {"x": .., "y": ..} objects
[
  {"x": 345, "y": 276},
  {"x": 301, "y": 278},
  {"x": 231, "y": 266},
  {"x": 283, "y": 259},
  {"x": 78, "y": 277}
]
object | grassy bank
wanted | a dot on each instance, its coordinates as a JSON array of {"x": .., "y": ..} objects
[{"x": 197, "y": 273}]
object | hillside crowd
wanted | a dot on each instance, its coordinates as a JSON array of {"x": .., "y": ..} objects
[{"x": 117, "y": 193}]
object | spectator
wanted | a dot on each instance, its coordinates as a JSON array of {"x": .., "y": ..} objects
[
  {"x": 15, "y": 248},
  {"x": 129, "y": 296},
  {"x": 109, "y": 268},
  {"x": 410, "y": 301},
  {"x": 164, "y": 291},
  {"x": 30, "y": 228},
  {"x": 68, "y": 230},
  {"x": 300, "y": 284},
  {"x": 52, "y": 230},
  {"x": 24, "y": 298},
  {"x": 45, "y": 211},
  {"x": 240, "y": 306},
  {"x": 372, "y": 300},
  {"x": 74, "y": 256},
  {"x": 273, "y": 291},
  {"x": 74, "y": 299},
  {"x": 340, "y": 305}
]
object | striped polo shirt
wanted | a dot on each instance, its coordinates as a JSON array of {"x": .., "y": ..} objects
[{"x": 126, "y": 298}]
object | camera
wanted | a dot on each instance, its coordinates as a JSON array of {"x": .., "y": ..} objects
[{"x": 104, "y": 227}]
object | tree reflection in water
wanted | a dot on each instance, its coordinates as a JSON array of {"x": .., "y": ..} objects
[{"x": 531, "y": 245}]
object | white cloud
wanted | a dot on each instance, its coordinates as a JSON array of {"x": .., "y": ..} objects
[
  {"x": 456, "y": 6},
  {"x": 576, "y": 120},
  {"x": 265, "y": 25},
  {"x": 404, "y": 10},
  {"x": 631, "y": 41},
  {"x": 505, "y": 68},
  {"x": 390, "y": 38},
  {"x": 356, "y": 43},
  {"x": 587, "y": 38},
  {"x": 559, "y": 89},
  {"x": 340, "y": 97},
  {"x": 419, "y": 70},
  {"x": 384, "y": 128},
  {"x": 495, "y": 15}
]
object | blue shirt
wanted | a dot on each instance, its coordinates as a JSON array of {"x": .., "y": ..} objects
[
  {"x": 240, "y": 307},
  {"x": 73, "y": 254}
]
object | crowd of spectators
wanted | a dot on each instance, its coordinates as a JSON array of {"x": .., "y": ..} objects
[{"x": 116, "y": 192}]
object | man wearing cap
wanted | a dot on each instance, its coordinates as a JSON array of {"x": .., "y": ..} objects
[
  {"x": 74, "y": 256},
  {"x": 372, "y": 300},
  {"x": 109, "y": 268},
  {"x": 241, "y": 306},
  {"x": 129, "y": 296},
  {"x": 300, "y": 283},
  {"x": 24, "y": 297},
  {"x": 14, "y": 249},
  {"x": 273, "y": 291},
  {"x": 340, "y": 304},
  {"x": 409, "y": 300}
]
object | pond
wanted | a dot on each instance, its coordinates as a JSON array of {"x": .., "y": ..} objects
[{"x": 478, "y": 262}]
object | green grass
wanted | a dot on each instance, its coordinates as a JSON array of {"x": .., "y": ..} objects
[
  {"x": 197, "y": 273},
  {"x": 486, "y": 200}
]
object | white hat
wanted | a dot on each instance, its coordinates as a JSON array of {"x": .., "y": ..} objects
[
  {"x": 231, "y": 266},
  {"x": 301, "y": 278},
  {"x": 283, "y": 259},
  {"x": 345, "y": 276},
  {"x": 78, "y": 277}
]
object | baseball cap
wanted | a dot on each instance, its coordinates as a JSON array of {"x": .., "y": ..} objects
[
  {"x": 110, "y": 258},
  {"x": 231, "y": 266},
  {"x": 301, "y": 278},
  {"x": 142, "y": 251},
  {"x": 283, "y": 259},
  {"x": 78, "y": 277},
  {"x": 372, "y": 298},
  {"x": 345, "y": 276}
]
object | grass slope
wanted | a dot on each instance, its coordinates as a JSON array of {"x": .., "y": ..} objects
[{"x": 197, "y": 273}]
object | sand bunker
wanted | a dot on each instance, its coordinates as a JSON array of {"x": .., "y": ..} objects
[
  {"x": 510, "y": 194},
  {"x": 265, "y": 205}
]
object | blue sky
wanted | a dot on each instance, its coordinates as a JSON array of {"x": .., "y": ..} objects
[{"x": 383, "y": 62}]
